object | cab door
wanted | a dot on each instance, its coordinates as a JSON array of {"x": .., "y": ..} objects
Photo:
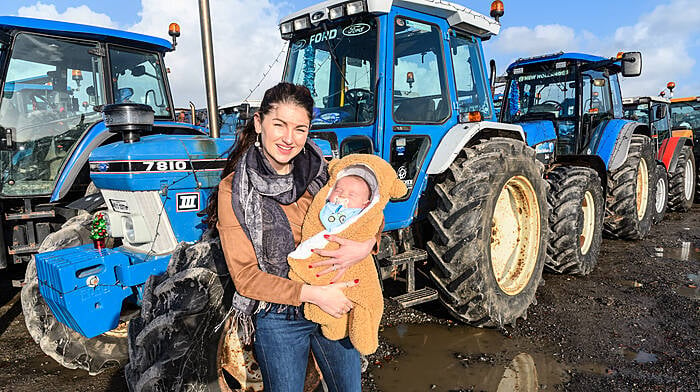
[{"x": 418, "y": 108}]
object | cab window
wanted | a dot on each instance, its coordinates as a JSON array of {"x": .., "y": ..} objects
[{"x": 420, "y": 85}]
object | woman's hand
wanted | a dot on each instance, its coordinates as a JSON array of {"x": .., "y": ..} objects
[
  {"x": 330, "y": 298},
  {"x": 339, "y": 260}
]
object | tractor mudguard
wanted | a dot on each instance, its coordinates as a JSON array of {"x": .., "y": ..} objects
[
  {"x": 539, "y": 131},
  {"x": 670, "y": 150},
  {"x": 458, "y": 136},
  {"x": 612, "y": 142},
  {"x": 93, "y": 138}
]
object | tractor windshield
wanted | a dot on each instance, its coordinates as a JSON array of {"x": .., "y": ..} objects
[
  {"x": 47, "y": 103},
  {"x": 138, "y": 77},
  {"x": 549, "y": 93},
  {"x": 338, "y": 64},
  {"x": 686, "y": 114}
]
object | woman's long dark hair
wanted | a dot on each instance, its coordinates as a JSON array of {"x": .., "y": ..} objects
[{"x": 281, "y": 93}]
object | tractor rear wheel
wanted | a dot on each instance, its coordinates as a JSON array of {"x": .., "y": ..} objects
[
  {"x": 661, "y": 194},
  {"x": 491, "y": 232},
  {"x": 66, "y": 346},
  {"x": 681, "y": 182},
  {"x": 576, "y": 219},
  {"x": 630, "y": 198}
]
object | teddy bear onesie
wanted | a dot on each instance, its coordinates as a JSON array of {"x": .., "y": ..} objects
[{"x": 361, "y": 324}]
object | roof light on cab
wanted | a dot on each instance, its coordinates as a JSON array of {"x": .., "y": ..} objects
[
  {"x": 174, "y": 32},
  {"x": 356, "y": 7},
  {"x": 302, "y": 23},
  {"x": 497, "y": 9},
  {"x": 336, "y": 12}
]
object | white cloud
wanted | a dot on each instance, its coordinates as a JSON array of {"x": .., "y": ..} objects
[
  {"x": 245, "y": 34},
  {"x": 525, "y": 41},
  {"x": 82, "y": 14},
  {"x": 245, "y": 38}
]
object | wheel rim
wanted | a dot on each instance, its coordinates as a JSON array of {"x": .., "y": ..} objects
[
  {"x": 234, "y": 361},
  {"x": 588, "y": 229},
  {"x": 515, "y": 235},
  {"x": 688, "y": 180},
  {"x": 642, "y": 188},
  {"x": 660, "y": 195}
]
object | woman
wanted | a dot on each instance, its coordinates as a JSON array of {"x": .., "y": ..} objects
[{"x": 268, "y": 183}]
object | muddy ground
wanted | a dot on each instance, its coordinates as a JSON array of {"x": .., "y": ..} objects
[{"x": 632, "y": 325}]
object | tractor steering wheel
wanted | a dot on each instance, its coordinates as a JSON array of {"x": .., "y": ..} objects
[
  {"x": 354, "y": 95},
  {"x": 557, "y": 105}
]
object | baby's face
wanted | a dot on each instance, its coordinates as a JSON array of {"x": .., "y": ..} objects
[{"x": 351, "y": 192}]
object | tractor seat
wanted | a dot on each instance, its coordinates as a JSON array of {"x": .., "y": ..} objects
[{"x": 420, "y": 109}]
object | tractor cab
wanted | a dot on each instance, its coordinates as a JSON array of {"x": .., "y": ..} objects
[
  {"x": 653, "y": 111},
  {"x": 55, "y": 79},
  {"x": 390, "y": 78},
  {"x": 685, "y": 116},
  {"x": 572, "y": 96}
]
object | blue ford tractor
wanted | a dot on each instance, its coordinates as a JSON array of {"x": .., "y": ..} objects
[
  {"x": 600, "y": 167},
  {"x": 56, "y": 78},
  {"x": 405, "y": 80}
]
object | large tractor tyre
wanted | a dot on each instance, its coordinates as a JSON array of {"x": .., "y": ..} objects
[
  {"x": 185, "y": 339},
  {"x": 491, "y": 232},
  {"x": 67, "y": 347},
  {"x": 630, "y": 198},
  {"x": 660, "y": 194},
  {"x": 576, "y": 216},
  {"x": 681, "y": 182}
]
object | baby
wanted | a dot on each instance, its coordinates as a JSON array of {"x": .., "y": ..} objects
[
  {"x": 349, "y": 197},
  {"x": 351, "y": 206}
]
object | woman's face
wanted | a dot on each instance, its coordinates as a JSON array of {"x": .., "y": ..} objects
[{"x": 283, "y": 132}]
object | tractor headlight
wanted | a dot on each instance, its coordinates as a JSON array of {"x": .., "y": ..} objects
[
  {"x": 135, "y": 229},
  {"x": 286, "y": 28},
  {"x": 302, "y": 23},
  {"x": 114, "y": 228},
  {"x": 356, "y": 7}
]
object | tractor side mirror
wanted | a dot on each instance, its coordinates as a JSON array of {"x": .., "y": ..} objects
[
  {"x": 138, "y": 70},
  {"x": 660, "y": 112},
  {"x": 631, "y": 64}
]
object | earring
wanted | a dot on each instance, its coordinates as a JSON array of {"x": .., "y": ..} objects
[
  {"x": 303, "y": 150},
  {"x": 257, "y": 141}
]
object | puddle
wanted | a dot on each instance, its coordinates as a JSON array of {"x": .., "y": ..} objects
[
  {"x": 638, "y": 356},
  {"x": 686, "y": 252},
  {"x": 441, "y": 358}
]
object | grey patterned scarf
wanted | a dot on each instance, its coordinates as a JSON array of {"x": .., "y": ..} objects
[{"x": 257, "y": 195}]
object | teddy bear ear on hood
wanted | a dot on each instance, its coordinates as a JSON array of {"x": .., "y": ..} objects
[{"x": 398, "y": 189}]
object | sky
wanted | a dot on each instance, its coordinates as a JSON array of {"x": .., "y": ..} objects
[{"x": 247, "y": 43}]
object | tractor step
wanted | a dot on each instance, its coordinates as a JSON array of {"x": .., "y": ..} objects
[
  {"x": 23, "y": 249},
  {"x": 31, "y": 215},
  {"x": 410, "y": 256},
  {"x": 417, "y": 297}
]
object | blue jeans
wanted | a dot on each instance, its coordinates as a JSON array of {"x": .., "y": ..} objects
[{"x": 282, "y": 343}]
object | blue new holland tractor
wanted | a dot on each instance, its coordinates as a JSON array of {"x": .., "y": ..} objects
[
  {"x": 405, "y": 80},
  {"x": 600, "y": 166},
  {"x": 56, "y": 78}
]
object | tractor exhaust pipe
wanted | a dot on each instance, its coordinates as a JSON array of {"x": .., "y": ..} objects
[{"x": 209, "y": 75}]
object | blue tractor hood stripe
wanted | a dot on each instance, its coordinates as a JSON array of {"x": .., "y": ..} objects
[{"x": 85, "y": 31}]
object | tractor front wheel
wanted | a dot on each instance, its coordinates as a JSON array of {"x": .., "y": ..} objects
[
  {"x": 576, "y": 219},
  {"x": 66, "y": 346},
  {"x": 681, "y": 182},
  {"x": 184, "y": 339},
  {"x": 630, "y": 198},
  {"x": 491, "y": 232}
]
